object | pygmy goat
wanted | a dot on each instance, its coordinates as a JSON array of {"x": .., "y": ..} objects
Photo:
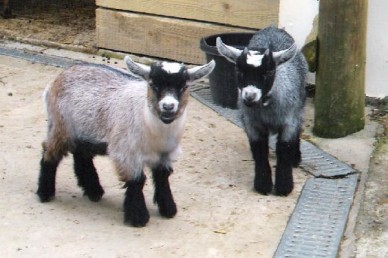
[
  {"x": 271, "y": 78},
  {"x": 136, "y": 118}
]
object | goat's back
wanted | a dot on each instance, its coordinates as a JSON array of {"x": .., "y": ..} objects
[
  {"x": 271, "y": 38},
  {"x": 90, "y": 99}
]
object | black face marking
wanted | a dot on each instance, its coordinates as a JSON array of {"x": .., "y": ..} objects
[
  {"x": 163, "y": 83},
  {"x": 261, "y": 76},
  {"x": 168, "y": 90}
]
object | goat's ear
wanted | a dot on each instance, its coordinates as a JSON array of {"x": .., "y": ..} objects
[
  {"x": 199, "y": 72},
  {"x": 229, "y": 52},
  {"x": 284, "y": 55},
  {"x": 137, "y": 69}
]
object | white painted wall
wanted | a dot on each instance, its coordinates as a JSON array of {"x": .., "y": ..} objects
[
  {"x": 377, "y": 49},
  {"x": 297, "y": 16}
]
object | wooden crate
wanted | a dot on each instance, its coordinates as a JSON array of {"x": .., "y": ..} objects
[{"x": 172, "y": 29}]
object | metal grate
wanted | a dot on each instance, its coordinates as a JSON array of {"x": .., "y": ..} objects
[
  {"x": 322, "y": 164},
  {"x": 317, "y": 224}
]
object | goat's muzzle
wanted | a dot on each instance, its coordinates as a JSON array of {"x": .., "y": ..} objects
[
  {"x": 251, "y": 95},
  {"x": 249, "y": 103},
  {"x": 168, "y": 107},
  {"x": 167, "y": 117}
]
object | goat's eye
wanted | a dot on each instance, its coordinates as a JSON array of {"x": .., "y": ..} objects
[
  {"x": 183, "y": 88},
  {"x": 270, "y": 73},
  {"x": 154, "y": 87}
]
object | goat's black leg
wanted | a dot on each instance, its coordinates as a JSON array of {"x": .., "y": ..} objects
[
  {"x": 87, "y": 175},
  {"x": 297, "y": 154},
  {"x": 163, "y": 196},
  {"x": 263, "y": 179},
  {"x": 135, "y": 209},
  {"x": 46, "y": 182},
  {"x": 285, "y": 152}
]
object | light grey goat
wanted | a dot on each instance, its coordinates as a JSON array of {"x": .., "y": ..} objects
[{"x": 136, "y": 118}]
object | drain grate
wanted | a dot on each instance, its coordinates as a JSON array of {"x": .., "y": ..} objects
[
  {"x": 317, "y": 224},
  {"x": 322, "y": 164}
]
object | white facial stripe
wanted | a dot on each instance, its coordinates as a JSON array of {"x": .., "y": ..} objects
[
  {"x": 169, "y": 100},
  {"x": 252, "y": 93},
  {"x": 254, "y": 58},
  {"x": 171, "y": 67}
]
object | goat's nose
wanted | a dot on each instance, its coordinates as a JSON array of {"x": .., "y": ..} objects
[
  {"x": 250, "y": 97},
  {"x": 168, "y": 106}
]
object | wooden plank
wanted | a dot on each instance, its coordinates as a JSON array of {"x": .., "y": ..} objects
[
  {"x": 154, "y": 36},
  {"x": 245, "y": 13}
]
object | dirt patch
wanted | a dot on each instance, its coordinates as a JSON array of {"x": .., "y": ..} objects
[
  {"x": 69, "y": 23},
  {"x": 372, "y": 225}
]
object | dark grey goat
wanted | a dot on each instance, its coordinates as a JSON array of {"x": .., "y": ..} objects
[{"x": 271, "y": 77}]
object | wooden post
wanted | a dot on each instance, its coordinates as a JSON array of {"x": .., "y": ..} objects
[{"x": 340, "y": 91}]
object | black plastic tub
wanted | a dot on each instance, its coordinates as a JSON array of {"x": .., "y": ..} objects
[{"x": 223, "y": 79}]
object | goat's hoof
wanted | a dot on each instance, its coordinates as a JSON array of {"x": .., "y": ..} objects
[
  {"x": 168, "y": 210},
  {"x": 137, "y": 219},
  {"x": 94, "y": 196},
  {"x": 283, "y": 190},
  {"x": 264, "y": 189},
  {"x": 166, "y": 205},
  {"x": 44, "y": 196}
]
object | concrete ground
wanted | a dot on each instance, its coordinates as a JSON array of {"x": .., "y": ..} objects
[{"x": 219, "y": 215}]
